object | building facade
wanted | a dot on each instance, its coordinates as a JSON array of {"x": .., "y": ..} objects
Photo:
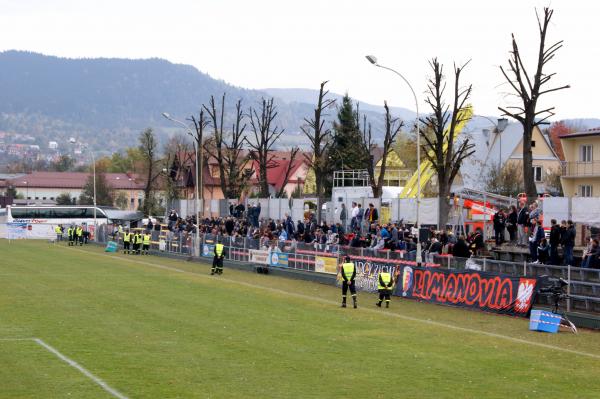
[{"x": 581, "y": 169}]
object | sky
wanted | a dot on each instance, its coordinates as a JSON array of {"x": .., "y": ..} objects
[{"x": 297, "y": 44}]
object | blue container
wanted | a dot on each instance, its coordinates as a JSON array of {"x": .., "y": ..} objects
[{"x": 542, "y": 320}]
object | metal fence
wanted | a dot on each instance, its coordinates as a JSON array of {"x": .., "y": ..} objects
[{"x": 583, "y": 287}]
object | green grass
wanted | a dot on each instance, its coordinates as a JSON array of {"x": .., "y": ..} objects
[{"x": 157, "y": 333}]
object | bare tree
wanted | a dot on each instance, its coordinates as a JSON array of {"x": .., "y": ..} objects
[
  {"x": 440, "y": 131},
  {"x": 529, "y": 90},
  {"x": 200, "y": 124},
  {"x": 393, "y": 126},
  {"x": 320, "y": 140},
  {"x": 216, "y": 151},
  {"x": 232, "y": 154},
  {"x": 152, "y": 165},
  {"x": 265, "y": 134},
  {"x": 288, "y": 170}
]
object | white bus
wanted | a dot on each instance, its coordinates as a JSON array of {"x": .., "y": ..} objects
[{"x": 39, "y": 221}]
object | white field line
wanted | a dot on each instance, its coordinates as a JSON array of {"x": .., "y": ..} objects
[
  {"x": 378, "y": 312},
  {"x": 81, "y": 369},
  {"x": 16, "y": 339}
]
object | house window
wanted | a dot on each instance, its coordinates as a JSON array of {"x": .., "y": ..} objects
[
  {"x": 532, "y": 143},
  {"x": 585, "y": 153},
  {"x": 537, "y": 174},
  {"x": 585, "y": 190}
]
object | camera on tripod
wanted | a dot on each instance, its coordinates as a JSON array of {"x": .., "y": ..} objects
[{"x": 553, "y": 287}]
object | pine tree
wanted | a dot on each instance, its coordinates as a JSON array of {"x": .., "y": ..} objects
[{"x": 346, "y": 152}]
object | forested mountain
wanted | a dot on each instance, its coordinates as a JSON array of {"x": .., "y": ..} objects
[{"x": 105, "y": 102}]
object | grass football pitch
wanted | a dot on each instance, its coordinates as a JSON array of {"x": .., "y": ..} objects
[{"x": 79, "y": 323}]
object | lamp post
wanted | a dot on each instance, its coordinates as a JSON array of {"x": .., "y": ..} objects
[
  {"x": 72, "y": 141},
  {"x": 373, "y": 60},
  {"x": 198, "y": 172},
  {"x": 26, "y": 191}
]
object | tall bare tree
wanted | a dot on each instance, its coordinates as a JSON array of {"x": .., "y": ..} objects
[
  {"x": 152, "y": 165},
  {"x": 200, "y": 124},
  {"x": 217, "y": 117},
  {"x": 232, "y": 154},
  {"x": 393, "y": 126},
  {"x": 265, "y": 135},
  {"x": 288, "y": 171},
  {"x": 440, "y": 130},
  {"x": 320, "y": 140},
  {"x": 529, "y": 90}
]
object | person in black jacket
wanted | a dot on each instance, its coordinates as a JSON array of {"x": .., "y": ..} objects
[
  {"x": 499, "y": 226},
  {"x": 554, "y": 242},
  {"x": 511, "y": 223},
  {"x": 461, "y": 249},
  {"x": 568, "y": 242},
  {"x": 522, "y": 221}
]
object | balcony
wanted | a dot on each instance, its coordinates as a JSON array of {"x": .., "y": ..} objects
[{"x": 581, "y": 169}]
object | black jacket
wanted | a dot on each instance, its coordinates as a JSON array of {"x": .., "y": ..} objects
[
  {"x": 460, "y": 249},
  {"x": 555, "y": 235},
  {"x": 568, "y": 238},
  {"x": 523, "y": 216}
]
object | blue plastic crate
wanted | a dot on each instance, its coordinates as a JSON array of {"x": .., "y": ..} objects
[{"x": 542, "y": 320}]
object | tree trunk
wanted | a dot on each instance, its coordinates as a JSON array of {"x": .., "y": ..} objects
[
  {"x": 443, "y": 206},
  {"x": 529, "y": 180}
]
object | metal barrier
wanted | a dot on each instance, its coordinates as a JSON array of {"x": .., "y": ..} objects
[{"x": 583, "y": 288}]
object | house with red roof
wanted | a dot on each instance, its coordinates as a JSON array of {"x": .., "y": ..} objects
[{"x": 47, "y": 186}]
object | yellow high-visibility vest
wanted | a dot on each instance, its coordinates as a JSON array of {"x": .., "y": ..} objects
[
  {"x": 147, "y": 239},
  {"x": 57, "y": 230},
  {"x": 126, "y": 237},
  {"x": 386, "y": 278},
  {"x": 219, "y": 249},
  {"x": 79, "y": 231},
  {"x": 348, "y": 270}
]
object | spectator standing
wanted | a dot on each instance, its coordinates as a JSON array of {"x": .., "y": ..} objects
[
  {"x": 591, "y": 257},
  {"x": 554, "y": 242},
  {"x": 359, "y": 218},
  {"x": 543, "y": 252},
  {"x": 537, "y": 235},
  {"x": 499, "y": 226},
  {"x": 511, "y": 223},
  {"x": 522, "y": 220},
  {"x": 343, "y": 217},
  {"x": 569, "y": 242}
]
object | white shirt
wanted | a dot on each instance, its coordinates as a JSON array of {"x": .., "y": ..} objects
[{"x": 355, "y": 212}]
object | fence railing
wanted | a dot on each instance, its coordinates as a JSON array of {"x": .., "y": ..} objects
[{"x": 583, "y": 284}]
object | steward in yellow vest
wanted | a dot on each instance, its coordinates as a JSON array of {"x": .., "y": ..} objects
[
  {"x": 385, "y": 286},
  {"x": 217, "y": 266},
  {"x": 71, "y": 235},
  {"x": 146, "y": 242},
  {"x": 127, "y": 242},
  {"x": 348, "y": 271},
  {"x": 59, "y": 232},
  {"x": 79, "y": 234},
  {"x": 137, "y": 242}
]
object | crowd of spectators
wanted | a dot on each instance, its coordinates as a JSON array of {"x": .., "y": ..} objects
[{"x": 363, "y": 230}]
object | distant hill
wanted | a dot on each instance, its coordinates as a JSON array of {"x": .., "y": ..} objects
[{"x": 105, "y": 102}]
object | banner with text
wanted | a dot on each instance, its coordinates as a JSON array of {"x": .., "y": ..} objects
[
  {"x": 259, "y": 256},
  {"x": 325, "y": 264},
  {"x": 468, "y": 288},
  {"x": 367, "y": 273}
]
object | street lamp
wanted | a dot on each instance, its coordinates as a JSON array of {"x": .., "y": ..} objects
[
  {"x": 198, "y": 173},
  {"x": 27, "y": 191},
  {"x": 72, "y": 141},
  {"x": 373, "y": 60}
]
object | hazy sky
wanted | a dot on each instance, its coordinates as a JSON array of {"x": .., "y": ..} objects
[{"x": 278, "y": 43}]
